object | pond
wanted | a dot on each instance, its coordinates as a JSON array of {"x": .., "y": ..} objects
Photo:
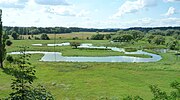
[
  {"x": 50, "y": 45},
  {"x": 57, "y": 56}
]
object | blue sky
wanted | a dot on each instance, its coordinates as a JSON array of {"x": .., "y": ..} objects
[{"x": 91, "y": 13}]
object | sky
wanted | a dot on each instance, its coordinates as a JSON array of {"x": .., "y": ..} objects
[{"x": 91, "y": 13}]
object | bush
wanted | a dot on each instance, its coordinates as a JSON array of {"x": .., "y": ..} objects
[
  {"x": 75, "y": 38},
  {"x": 37, "y": 38},
  {"x": 10, "y": 59},
  {"x": 122, "y": 38},
  {"x": 97, "y": 37},
  {"x": 8, "y": 43},
  {"x": 130, "y": 49},
  {"x": 44, "y": 37},
  {"x": 173, "y": 44},
  {"x": 75, "y": 44},
  {"x": 159, "y": 40},
  {"x": 29, "y": 38},
  {"x": 5, "y": 36},
  {"x": 108, "y": 36},
  {"x": 15, "y": 35}
]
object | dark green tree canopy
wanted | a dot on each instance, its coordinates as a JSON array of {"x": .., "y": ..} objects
[
  {"x": 97, "y": 37},
  {"x": 122, "y": 38},
  {"x": 15, "y": 35},
  {"x": 75, "y": 44},
  {"x": 44, "y": 37},
  {"x": 24, "y": 75}
]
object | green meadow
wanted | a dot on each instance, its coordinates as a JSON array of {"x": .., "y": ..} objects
[{"x": 96, "y": 81}]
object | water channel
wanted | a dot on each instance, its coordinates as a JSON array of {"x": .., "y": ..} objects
[{"x": 57, "y": 56}]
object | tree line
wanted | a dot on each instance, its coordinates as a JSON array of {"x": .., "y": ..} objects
[
  {"x": 157, "y": 37},
  {"x": 49, "y": 30},
  {"x": 146, "y": 29},
  {"x": 34, "y": 30}
]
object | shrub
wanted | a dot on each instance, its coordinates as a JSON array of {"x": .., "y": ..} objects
[
  {"x": 108, "y": 36},
  {"x": 122, "y": 38},
  {"x": 37, "y": 38},
  {"x": 44, "y": 37},
  {"x": 29, "y": 38},
  {"x": 130, "y": 49},
  {"x": 97, "y": 37},
  {"x": 15, "y": 35},
  {"x": 75, "y": 38},
  {"x": 8, "y": 43},
  {"x": 24, "y": 75},
  {"x": 159, "y": 40},
  {"x": 10, "y": 59},
  {"x": 172, "y": 44},
  {"x": 75, "y": 44}
]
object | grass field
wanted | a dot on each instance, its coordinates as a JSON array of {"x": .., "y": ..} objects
[
  {"x": 94, "y": 81},
  {"x": 67, "y": 50},
  {"x": 69, "y": 36}
]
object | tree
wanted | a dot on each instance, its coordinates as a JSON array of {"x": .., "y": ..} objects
[
  {"x": 159, "y": 40},
  {"x": 24, "y": 75},
  {"x": 108, "y": 36},
  {"x": 8, "y": 43},
  {"x": 122, "y": 38},
  {"x": 44, "y": 37},
  {"x": 5, "y": 36},
  {"x": 2, "y": 43},
  {"x": 176, "y": 36},
  {"x": 10, "y": 59},
  {"x": 97, "y": 37},
  {"x": 169, "y": 32},
  {"x": 172, "y": 44},
  {"x": 75, "y": 38},
  {"x": 15, "y": 35},
  {"x": 150, "y": 38},
  {"x": 137, "y": 35},
  {"x": 157, "y": 32},
  {"x": 29, "y": 38},
  {"x": 75, "y": 44}
]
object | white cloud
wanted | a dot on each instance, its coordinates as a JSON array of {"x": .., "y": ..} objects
[
  {"x": 35, "y": 14},
  {"x": 134, "y": 6},
  {"x": 60, "y": 10},
  {"x": 13, "y": 3},
  {"x": 67, "y": 11},
  {"x": 171, "y": 0},
  {"x": 171, "y": 11},
  {"x": 52, "y": 2},
  {"x": 170, "y": 21},
  {"x": 83, "y": 13}
]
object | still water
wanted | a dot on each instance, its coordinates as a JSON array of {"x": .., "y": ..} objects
[{"x": 57, "y": 56}]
